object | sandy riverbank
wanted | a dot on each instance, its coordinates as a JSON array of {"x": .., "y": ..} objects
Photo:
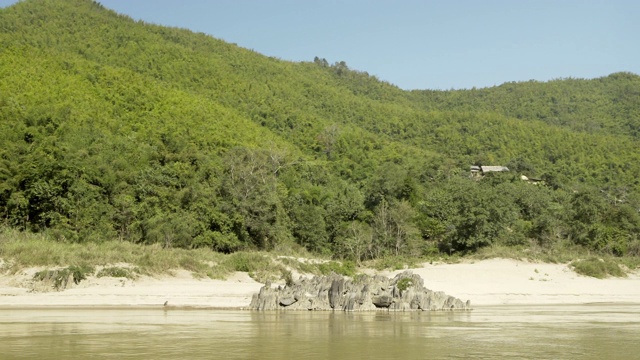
[
  {"x": 511, "y": 282},
  {"x": 487, "y": 282}
]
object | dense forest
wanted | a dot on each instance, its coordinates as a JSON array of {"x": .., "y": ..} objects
[{"x": 118, "y": 129}]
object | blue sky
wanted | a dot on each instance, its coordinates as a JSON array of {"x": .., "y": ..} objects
[{"x": 444, "y": 44}]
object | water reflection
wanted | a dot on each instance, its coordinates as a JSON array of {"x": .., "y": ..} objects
[{"x": 598, "y": 331}]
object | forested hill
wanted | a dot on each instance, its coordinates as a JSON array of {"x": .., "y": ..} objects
[
  {"x": 117, "y": 129},
  {"x": 607, "y": 105}
]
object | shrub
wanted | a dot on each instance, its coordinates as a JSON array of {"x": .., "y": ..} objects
[
  {"x": 118, "y": 272},
  {"x": 288, "y": 277},
  {"x": 61, "y": 277},
  {"x": 597, "y": 268},
  {"x": 80, "y": 272},
  {"x": 404, "y": 283}
]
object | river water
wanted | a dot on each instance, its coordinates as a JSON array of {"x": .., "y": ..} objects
[{"x": 599, "y": 331}]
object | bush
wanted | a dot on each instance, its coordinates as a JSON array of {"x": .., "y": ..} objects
[
  {"x": 118, "y": 272},
  {"x": 288, "y": 277},
  {"x": 597, "y": 268},
  {"x": 404, "y": 283},
  {"x": 80, "y": 272},
  {"x": 61, "y": 277}
]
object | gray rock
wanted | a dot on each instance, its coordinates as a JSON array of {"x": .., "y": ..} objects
[
  {"x": 336, "y": 292},
  {"x": 382, "y": 301},
  {"x": 287, "y": 301},
  {"x": 405, "y": 292}
]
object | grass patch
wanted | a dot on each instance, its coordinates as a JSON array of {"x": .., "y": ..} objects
[
  {"x": 22, "y": 249},
  {"x": 345, "y": 268},
  {"x": 259, "y": 266},
  {"x": 19, "y": 250},
  {"x": 393, "y": 263},
  {"x": 319, "y": 267},
  {"x": 597, "y": 268},
  {"x": 631, "y": 262},
  {"x": 247, "y": 261},
  {"x": 118, "y": 272},
  {"x": 305, "y": 267}
]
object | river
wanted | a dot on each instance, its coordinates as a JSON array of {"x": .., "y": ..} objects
[{"x": 598, "y": 331}]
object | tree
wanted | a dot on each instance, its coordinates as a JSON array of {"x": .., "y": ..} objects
[
  {"x": 355, "y": 241},
  {"x": 252, "y": 190},
  {"x": 394, "y": 231}
]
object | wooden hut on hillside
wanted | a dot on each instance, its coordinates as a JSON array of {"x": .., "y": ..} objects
[{"x": 479, "y": 171}]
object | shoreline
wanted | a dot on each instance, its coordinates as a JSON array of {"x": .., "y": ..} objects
[
  {"x": 486, "y": 283},
  {"x": 246, "y": 309}
]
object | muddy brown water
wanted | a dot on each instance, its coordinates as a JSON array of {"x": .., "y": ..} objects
[{"x": 598, "y": 331}]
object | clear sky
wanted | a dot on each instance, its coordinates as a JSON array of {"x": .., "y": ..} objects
[{"x": 422, "y": 44}]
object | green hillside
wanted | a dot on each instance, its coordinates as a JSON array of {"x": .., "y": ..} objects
[
  {"x": 117, "y": 129},
  {"x": 607, "y": 105}
]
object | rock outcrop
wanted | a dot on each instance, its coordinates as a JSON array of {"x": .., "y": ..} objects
[{"x": 405, "y": 292}]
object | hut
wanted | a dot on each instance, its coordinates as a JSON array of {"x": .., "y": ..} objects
[{"x": 480, "y": 171}]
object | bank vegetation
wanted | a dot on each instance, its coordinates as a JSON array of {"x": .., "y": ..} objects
[{"x": 118, "y": 136}]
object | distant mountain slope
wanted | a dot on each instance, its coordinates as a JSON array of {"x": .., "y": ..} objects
[
  {"x": 120, "y": 129},
  {"x": 610, "y": 104}
]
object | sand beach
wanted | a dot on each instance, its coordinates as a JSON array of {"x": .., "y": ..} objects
[{"x": 485, "y": 283}]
